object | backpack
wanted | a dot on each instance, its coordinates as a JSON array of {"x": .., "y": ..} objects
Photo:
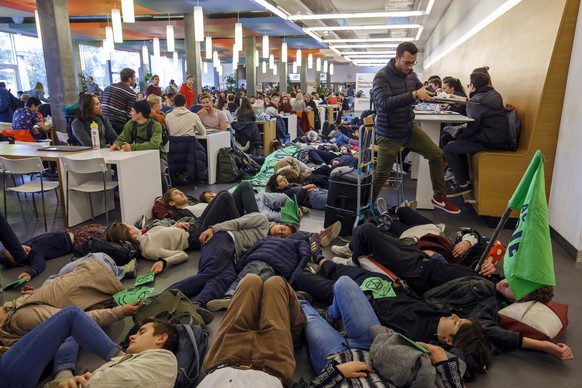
[
  {"x": 514, "y": 127},
  {"x": 227, "y": 168},
  {"x": 121, "y": 252},
  {"x": 193, "y": 343},
  {"x": 14, "y": 102},
  {"x": 151, "y": 123},
  {"x": 247, "y": 167},
  {"x": 72, "y": 138}
]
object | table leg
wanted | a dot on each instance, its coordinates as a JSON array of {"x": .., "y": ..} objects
[{"x": 424, "y": 190}]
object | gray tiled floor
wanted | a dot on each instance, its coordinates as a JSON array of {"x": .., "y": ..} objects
[{"x": 519, "y": 368}]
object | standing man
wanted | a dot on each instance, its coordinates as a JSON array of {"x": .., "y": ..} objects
[
  {"x": 211, "y": 118},
  {"x": 118, "y": 99},
  {"x": 187, "y": 90},
  {"x": 154, "y": 88},
  {"x": 92, "y": 87},
  {"x": 396, "y": 88}
]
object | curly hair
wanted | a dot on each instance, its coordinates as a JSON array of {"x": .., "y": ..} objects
[{"x": 543, "y": 295}]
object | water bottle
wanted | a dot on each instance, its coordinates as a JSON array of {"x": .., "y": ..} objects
[
  {"x": 95, "y": 136},
  {"x": 49, "y": 120}
]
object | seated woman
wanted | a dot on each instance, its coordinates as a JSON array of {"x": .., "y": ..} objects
[
  {"x": 299, "y": 103},
  {"x": 90, "y": 111},
  {"x": 156, "y": 106},
  {"x": 285, "y": 106},
  {"x": 347, "y": 359},
  {"x": 245, "y": 111},
  {"x": 307, "y": 195},
  {"x": 454, "y": 88}
]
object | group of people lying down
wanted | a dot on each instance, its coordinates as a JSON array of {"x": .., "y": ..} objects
[{"x": 279, "y": 291}]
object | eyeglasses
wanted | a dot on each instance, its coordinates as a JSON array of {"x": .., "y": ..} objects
[{"x": 409, "y": 63}]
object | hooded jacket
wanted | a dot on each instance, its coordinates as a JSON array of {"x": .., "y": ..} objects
[
  {"x": 491, "y": 127},
  {"x": 182, "y": 122},
  {"x": 392, "y": 94}
]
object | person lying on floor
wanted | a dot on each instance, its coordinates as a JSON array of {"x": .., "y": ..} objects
[
  {"x": 223, "y": 244},
  {"x": 298, "y": 172},
  {"x": 149, "y": 360},
  {"x": 480, "y": 305},
  {"x": 269, "y": 204},
  {"x": 307, "y": 195},
  {"x": 90, "y": 283},
  {"x": 254, "y": 344},
  {"x": 368, "y": 354},
  {"x": 166, "y": 245},
  {"x": 410, "y": 226}
]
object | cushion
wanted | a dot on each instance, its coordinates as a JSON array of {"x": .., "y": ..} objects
[{"x": 544, "y": 322}]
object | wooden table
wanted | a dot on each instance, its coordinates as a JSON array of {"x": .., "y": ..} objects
[
  {"x": 269, "y": 134},
  {"x": 20, "y": 151}
]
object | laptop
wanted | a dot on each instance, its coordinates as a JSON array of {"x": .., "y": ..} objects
[{"x": 64, "y": 148}]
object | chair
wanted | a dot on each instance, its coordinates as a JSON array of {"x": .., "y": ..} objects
[
  {"x": 23, "y": 167},
  {"x": 89, "y": 166}
]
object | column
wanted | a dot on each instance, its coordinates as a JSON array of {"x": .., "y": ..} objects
[
  {"x": 328, "y": 81},
  {"x": 303, "y": 74},
  {"x": 251, "y": 70},
  {"x": 193, "y": 58},
  {"x": 145, "y": 63},
  {"x": 78, "y": 68},
  {"x": 58, "y": 57}
]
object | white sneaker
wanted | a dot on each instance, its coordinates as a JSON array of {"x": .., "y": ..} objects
[
  {"x": 343, "y": 261},
  {"x": 342, "y": 250}
]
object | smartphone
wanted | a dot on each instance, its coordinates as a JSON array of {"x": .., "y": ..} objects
[{"x": 430, "y": 88}]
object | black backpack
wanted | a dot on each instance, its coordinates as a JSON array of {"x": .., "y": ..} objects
[
  {"x": 227, "y": 168},
  {"x": 247, "y": 167},
  {"x": 14, "y": 102},
  {"x": 121, "y": 252},
  {"x": 151, "y": 123},
  {"x": 192, "y": 348},
  {"x": 514, "y": 127}
]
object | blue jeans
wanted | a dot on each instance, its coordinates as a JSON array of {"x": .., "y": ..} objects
[
  {"x": 318, "y": 199},
  {"x": 456, "y": 153},
  {"x": 23, "y": 364},
  {"x": 352, "y": 307},
  {"x": 117, "y": 270},
  {"x": 260, "y": 268}
]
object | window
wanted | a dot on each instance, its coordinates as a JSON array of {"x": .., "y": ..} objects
[
  {"x": 166, "y": 69},
  {"x": 122, "y": 59},
  {"x": 30, "y": 62},
  {"x": 94, "y": 65}
]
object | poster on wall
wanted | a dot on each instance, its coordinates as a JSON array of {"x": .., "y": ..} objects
[{"x": 364, "y": 82}]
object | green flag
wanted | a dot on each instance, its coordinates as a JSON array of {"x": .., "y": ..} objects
[
  {"x": 290, "y": 212},
  {"x": 528, "y": 262}
]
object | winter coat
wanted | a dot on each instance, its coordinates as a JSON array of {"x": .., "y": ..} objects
[{"x": 188, "y": 156}]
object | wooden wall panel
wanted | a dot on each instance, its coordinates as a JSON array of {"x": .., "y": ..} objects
[{"x": 528, "y": 52}]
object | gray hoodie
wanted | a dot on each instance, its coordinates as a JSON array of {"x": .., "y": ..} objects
[{"x": 182, "y": 122}]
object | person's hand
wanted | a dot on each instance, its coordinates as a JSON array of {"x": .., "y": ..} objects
[
  {"x": 487, "y": 268},
  {"x": 132, "y": 308},
  {"x": 25, "y": 275},
  {"x": 461, "y": 248},
  {"x": 74, "y": 382},
  {"x": 126, "y": 147},
  {"x": 206, "y": 235},
  {"x": 157, "y": 267},
  {"x": 560, "y": 351},
  {"x": 310, "y": 187},
  {"x": 424, "y": 95},
  {"x": 115, "y": 147},
  {"x": 183, "y": 225},
  {"x": 436, "y": 353},
  {"x": 26, "y": 249},
  {"x": 354, "y": 369},
  {"x": 27, "y": 290}
]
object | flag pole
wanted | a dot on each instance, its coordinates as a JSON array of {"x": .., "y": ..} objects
[{"x": 500, "y": 226}]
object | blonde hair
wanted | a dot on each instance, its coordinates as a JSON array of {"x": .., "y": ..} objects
[
  {"x": 39, "y": 86},
  {"x": 153, "y": 99}
]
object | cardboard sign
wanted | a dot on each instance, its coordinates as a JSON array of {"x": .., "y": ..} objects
[
  {"x": 379, "y": 287},
  {"x": 131, "y": 295},
  {"x": 143, "y": 279}
]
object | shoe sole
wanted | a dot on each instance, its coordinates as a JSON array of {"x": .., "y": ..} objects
[
  {"x": 458, "y": 194},
  {"x": 335, "y": 231},
  {"x": 339, "y": 251},
  {"x": 436, "y": 206},
  {"x": 218, "y": 304}
]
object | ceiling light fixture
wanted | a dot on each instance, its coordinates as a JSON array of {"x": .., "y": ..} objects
[
  {"x": 294, "y": 66},
  {"x": 277, "y": 11},
  {"x": 284, "y": 52},
  {"x": 208, "y": 47},
  {"x": 117, "y": 29},
  {"x": 298, "y": 57},
  {"x": 257, "y": 61},
  {"x": 429, "y": 7},
  {"x": 215, "y": 60},
  {"x": 103, "y": 54},
  {"x": 361, "y": 15},
  {"x": 313, "y": 35},
  {"x": 325, "y": 67},
  {"x": 37, "y": 21},
  {"x": 145, "y": 54},
  {"x": 156, "y": 47},
  {"x": 170, "y": 38},
  {"x": 265, "y": 46},
  {"x": 331, "y": 69},
  {"x": 175, "y": 58},
  {"x": 318, "y": 64},
  {"x": 310, "y": 61},
  {"x": 109, "y": 39},
  {"x": 274, "y": 70},
  {"x": 128, "y": 11},
  {"x": 271, "y": 61},
  {"x": 234, "y": 56},
  {"x": 198, "y": 24},
  {"x": 364, "y": 46},
  {"x": 419, "y": 33},
  {"x": 371, "y": 40},
  {"x": 357, "y": 53},
  {"x": 367, "y": 27},
  {"x": 205, "y": 67},
  {"x": 264, "y": 67},
  {"x": 238, "y": 36}
]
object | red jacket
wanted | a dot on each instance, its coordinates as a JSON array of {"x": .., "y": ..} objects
[{"x": 189, "y": 94}]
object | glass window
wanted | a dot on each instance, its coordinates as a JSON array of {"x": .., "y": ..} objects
[
  {"x": 8, "y": 76},
  {"x": 167, "y": 70},
  {"x": 93, "y": 65},
  {"x": 30, "y": 62},
  {"x": 6, "y": 51}
]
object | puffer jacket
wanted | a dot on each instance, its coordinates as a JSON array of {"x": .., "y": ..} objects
[
  {"x": 188, "y": 156},
  {"x": 490, "y": 128},
  {"x": 392, "y": 93},
  {"x": 285, "y": 255}
]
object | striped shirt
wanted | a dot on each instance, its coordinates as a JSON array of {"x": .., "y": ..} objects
[{"x": 117, "y": 101}]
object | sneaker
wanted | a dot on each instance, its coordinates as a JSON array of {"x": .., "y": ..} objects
[
  {"x": 410, "y": 204},
  {"x": 343, "y": 261},
  {"x": 330, "y": 233},
  {"x": 449, "y": 176},
  {"x": 381, "y": 205},
  {"x": 218, "y": 304},
  {"x": 342, "y": 250},
  {"x": 458, "y": 190},
  {"x": 315, "y": 246},
  {"x": 207, "y": 316},
  {"x": 312, "y": 268},
  {"x": 442, "y": 202},
  {"x": 143, "y": 221},
  {"x": 130, "y": 269},
  {"x": 302, "y": 295}
]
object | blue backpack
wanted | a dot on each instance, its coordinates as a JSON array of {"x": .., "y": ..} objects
[
  {"x": 514, "y": 127},
  {"x": 191, "y": 349}
]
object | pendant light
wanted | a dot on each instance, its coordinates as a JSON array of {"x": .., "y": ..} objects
[
  {"x": 156, "y": 47},
  {"x": 170, "y": 38},
  {"x": 198, "y": 24},
  {"x": 116, "y": 22},
  {"x": 265, "y": 46},
  {"x": 238, "y": 36},
  {"x": 208, "y": 47},
  {"x": 318, "y": 64},
  {"x": 284, "y": 52},
  {"x": 298, "y": 57},
  {"x": 128, "y": 11},
  {"x": 37, "y": 21},
  {"x": 310, "y": 61}
]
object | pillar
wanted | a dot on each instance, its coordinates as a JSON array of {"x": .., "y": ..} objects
[
  {"x": 192, "y": 47},
  {"x": 78, "y": 67},
  {"x": 58, "y": 57},
  {"x": 251, "y": 70},
  {"x": 303, "y": 74}
]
